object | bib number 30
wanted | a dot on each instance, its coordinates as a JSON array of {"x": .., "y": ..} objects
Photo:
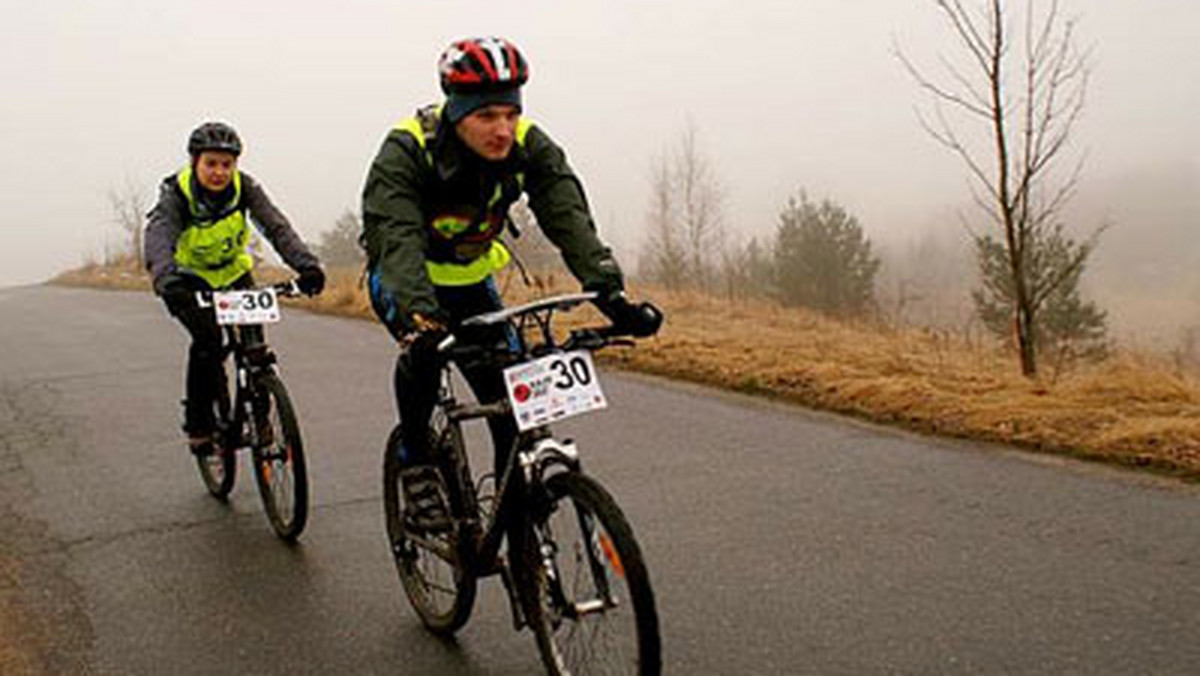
[
  {"x": 253, "y": 306},
  {"x": 552, "y": 388}
]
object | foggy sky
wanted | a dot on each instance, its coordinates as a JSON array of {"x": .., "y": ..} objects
[{"x": 784, "y": 94}]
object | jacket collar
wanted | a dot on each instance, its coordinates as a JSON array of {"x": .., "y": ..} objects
[{"x": 451, "y": 157}]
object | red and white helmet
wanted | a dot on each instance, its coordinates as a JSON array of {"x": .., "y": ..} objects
[{"x": 482, "y": 64}]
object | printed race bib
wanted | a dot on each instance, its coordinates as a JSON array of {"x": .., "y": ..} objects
[
  {"x": 253, "y": 306},
  {"x": 552, "y": 388}
]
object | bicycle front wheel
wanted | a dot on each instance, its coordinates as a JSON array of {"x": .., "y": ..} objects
[
  {"x": 438, "y": 582},
  {"x": 278, "y": 454},
  {"x": 593, "y": 609},
  {"x": 219, "y": 468}
]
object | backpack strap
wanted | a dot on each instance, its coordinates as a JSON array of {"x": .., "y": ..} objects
[{"x": 423, "y": 127}]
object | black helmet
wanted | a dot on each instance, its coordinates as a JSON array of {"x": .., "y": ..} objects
[{"x": 214, "y": 136}]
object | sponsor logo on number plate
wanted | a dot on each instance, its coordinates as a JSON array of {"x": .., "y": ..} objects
[{"x": 552, "y": 388}]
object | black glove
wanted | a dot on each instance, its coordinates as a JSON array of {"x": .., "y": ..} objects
[
  {"x": 640, "y": 321},
  {"x": 311, "y": 281},
  {"x": 178, "y": 295},
  {"x": 423, "y": 341}
]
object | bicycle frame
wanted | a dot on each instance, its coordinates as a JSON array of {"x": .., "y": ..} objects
[
  {"x": 535, "y": 454},
  {"x": 252, "y": 358}
]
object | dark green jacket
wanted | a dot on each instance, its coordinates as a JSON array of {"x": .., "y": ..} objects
[{"x": 413, "y": 186}]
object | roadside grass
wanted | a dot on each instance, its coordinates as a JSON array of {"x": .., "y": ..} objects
[
  {"x": 19, "y": 647},
  {"x": 1132, "y": 409}
]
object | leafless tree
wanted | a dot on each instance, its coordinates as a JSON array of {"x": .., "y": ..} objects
[
  {"x": 685, "y": 218},
  {"x": 129, "y": 211},
  {"x": 664, "y": 259},
  {"x": 1026, "y": 93},
  {"x": 701, "y": 202}
]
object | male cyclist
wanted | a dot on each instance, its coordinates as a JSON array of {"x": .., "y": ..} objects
[
  {"x": 435, "y": 201},
  {"x": 196, "y": 239}
]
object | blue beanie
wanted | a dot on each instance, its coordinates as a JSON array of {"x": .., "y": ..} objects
[{"x": 459, "y": 104}]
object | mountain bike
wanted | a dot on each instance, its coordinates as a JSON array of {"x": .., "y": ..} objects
[
  {"x": 257, "y": 413},
  {"x": 573, "y": 571}
]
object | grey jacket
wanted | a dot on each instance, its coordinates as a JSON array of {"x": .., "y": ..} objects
[{"x": 171, "y": 216}]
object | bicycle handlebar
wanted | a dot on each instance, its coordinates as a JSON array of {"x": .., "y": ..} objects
[
  {"x": 288, "y": 289},
  {"x": 539, "y": 313},
  {"x": 591, "y": 338}
]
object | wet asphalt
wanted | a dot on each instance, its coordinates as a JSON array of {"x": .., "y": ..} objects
[{"x": 779, "y": 541}]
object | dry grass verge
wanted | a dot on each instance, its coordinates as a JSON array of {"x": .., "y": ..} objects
[
  {"x": 18, "y": 647},
  {"x": 1128, "y": 410},
  {"x": 1131, "y": 409}
]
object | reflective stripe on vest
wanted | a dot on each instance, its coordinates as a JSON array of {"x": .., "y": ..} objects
[
  {"x": 214, "y": 250},
  {"x": 497, "y": 256},
  {"x": 465, "y": 274}
]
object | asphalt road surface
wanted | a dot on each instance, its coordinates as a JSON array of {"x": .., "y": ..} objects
[{"x": 779, "y": 541}]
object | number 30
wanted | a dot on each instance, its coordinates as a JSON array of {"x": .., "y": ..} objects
[{"x": 571, "y": 372}]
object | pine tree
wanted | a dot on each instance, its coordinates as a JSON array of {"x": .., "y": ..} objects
[
  {"x": 823, "y": 260},
  {"x": 1065, "y": 324}
]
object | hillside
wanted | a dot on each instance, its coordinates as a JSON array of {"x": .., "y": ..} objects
[{"x": 1134, "y": 409}]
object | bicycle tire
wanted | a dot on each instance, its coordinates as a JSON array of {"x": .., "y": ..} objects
[
  {"x": 576, "y": 629},
  {"x": 440, "y": 587},
  {"x": 277, "y": 449},
  {"x": 218, "y": 470}
]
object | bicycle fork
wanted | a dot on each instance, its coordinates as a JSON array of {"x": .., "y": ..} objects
[{"x": 547, "y": 454}]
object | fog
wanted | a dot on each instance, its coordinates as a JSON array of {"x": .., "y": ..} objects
[{"x": 784, "y": 95}]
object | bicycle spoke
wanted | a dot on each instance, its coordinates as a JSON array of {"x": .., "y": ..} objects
[
  {"x": 440, "y": 590},
  {"x": 597, "y": 608},
  {"x": 279, "y": 458}
]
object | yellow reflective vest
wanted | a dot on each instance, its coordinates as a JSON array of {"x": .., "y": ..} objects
[
  {"x": 214, "y": 246},
  {"x": 492, "y": 254}
]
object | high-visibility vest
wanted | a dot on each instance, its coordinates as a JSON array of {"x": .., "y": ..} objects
[
  {"x": 496, "y": 255},
  {"x": 214, "y": 247}
]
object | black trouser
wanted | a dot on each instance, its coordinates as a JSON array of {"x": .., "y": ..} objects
[
  {"x": 416, "y": 384},
  {"x": 204, "y": 358}
]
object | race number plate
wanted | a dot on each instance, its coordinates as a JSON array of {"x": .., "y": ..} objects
[
  {"x": 552, "y": 388},
  {"x": 253, "y": 306}
]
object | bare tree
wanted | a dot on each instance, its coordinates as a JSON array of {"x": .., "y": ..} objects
[
  {"x": 1028, "y": 117},
  {"x": 701, "y": 202},
  {"x": 129, "y": 211},
  {"x": 685, "y": 218},
  {"x": 664, "y": 259}
]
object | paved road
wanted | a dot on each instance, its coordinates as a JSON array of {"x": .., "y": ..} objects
[{"x": 780, "y": 541}]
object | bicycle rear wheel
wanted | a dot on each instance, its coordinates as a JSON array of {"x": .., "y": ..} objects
[
  {"x": 593, "y": 609},
  {"x": 278, "y": 454},
  {"x": 439, "y": 585},
  {"x": 219, "y": 468}
]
